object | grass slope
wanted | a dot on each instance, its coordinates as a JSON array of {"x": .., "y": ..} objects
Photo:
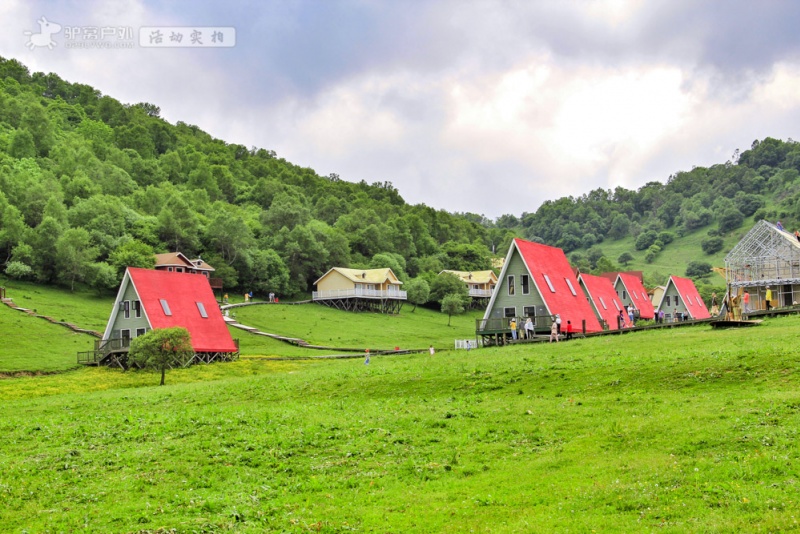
[
  {"x": 675, "y": 256},
  {"x": 83, "y": 308},
  {"x": 325, "y": 326},
  {"x": 681, "y": 430},
  {"x": 35, "y": 345}
]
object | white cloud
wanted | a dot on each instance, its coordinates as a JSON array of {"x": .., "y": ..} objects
[{"x": 490, "y": 108}]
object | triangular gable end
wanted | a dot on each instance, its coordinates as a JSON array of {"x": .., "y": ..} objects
[
  {"x": 123, "y": 286},
  {"x": 513, "y": 248}
]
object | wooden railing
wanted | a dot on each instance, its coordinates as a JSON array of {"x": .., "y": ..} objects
[
  {"x": 503, "y": 324},
  {"x": 480, "y": 292},
  {"x": 359, "y": 292}
]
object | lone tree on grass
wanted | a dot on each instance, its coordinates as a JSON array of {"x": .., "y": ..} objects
[
  {"x": 625, "y": 258},
  {"x": 452, "y": 304},
  {"x": 162, "y": 348},
  {"x": 418, "y": 292}
]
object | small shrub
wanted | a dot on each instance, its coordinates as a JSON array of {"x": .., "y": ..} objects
[{"x": 712, "y": 245}]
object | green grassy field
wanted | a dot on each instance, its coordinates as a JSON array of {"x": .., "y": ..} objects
[
  {"x": 83, "y": 308},
  {"x": 35, "y": 345},
  {"x": 324, "y": 326},
  {"x": 672, "y": 431}
]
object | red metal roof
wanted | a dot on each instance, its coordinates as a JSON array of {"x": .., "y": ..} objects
[
  {"x": 638, "y": 295},
  {"x": 545, "y": 263},
  {"x": 182, "y": 292},
  {"x": 691, "y": 297},
  {"x": 605, "y": 298}
]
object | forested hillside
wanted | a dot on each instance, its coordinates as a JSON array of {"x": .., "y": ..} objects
[
  {"x": 89, "y": 185},
  {"x": 714, "y": 205}
]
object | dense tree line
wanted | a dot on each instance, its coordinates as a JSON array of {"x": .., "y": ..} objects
[
  {"x": 89, "y": 185},
  {"x": 720, "y": 197}
]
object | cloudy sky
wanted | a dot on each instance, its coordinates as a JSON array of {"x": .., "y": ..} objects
[{"x": 490, "y": 107}]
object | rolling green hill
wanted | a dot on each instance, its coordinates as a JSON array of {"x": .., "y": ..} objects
[{"x": 682, "y": 430}]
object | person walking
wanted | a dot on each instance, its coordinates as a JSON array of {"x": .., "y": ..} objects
[
  {"x": 558, "y": 324},
  {"x": 553, "y": 332},
  {"x": 569, "y": 330},
  {"x": 630, "y": 314},
  {"x": 621, "y": 320},
  {"x": 768, "y": 299}
]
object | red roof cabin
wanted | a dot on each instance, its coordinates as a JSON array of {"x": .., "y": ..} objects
[
  {"x": 630, "y": 290},
  {"x": 681, "y": 296},
  {"x": 537, "y": 282},
  {"x": 150, "y": 299},
  {"x": 604, "y": 300}
]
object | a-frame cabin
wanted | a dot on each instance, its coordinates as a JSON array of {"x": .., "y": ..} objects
[
  {"x": 537, "y": 282},
  {"x": 681, "y": 297},
  {"x": 631, "y": 291},
  {"x": 603, "y": 298},
  {"x": 149, "y": 299}
]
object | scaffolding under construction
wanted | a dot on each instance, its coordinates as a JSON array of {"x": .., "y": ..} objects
[{"x": 766, "y": 259}]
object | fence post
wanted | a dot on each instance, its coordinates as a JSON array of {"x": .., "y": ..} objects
[{"x": 583, "y": 326}]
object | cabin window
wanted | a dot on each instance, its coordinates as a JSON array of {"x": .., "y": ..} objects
[
  {"x": 530, "y": 311},
  {"x": 624, "y": 295},
  {"x": 549, "y": 283},
  {"x": 668, "y": 300},
  {"x": 170, "y": 269},
  {"x": 571, "y": 289},
  {"x": 510, "y": 311},
  {"x": 141, "y": 331},
  {"x": 603, "y": 303},
  {"x": 137, "y": 308},
  {"x": 165, "y": 307},
  {"x": 126, "y": 309},
  {"x": 526, "y": 286},
  {"x": 511, "y": 285},
  {"x": 125, "y": 334},
  {"x": 179, "y": 269},
  {"x": 202, "y": 310}
]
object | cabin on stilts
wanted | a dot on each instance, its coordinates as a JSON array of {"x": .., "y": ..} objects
[
  {"x": 480, "y": 285},
  {"x": 357, "y": 290}
]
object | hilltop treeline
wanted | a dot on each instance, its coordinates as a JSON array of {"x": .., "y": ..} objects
[
  {"x": 763, "y": 181},
  {"x": 89, "y": 185}
]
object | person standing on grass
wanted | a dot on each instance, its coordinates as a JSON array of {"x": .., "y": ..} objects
[
  {"x": 553, "y": 332},
  {"x": 431, "y": 350},
  {"x": 366, "y": 359}
]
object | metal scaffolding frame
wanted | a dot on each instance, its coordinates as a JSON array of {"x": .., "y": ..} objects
[{"x": 766, "y": 256}]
